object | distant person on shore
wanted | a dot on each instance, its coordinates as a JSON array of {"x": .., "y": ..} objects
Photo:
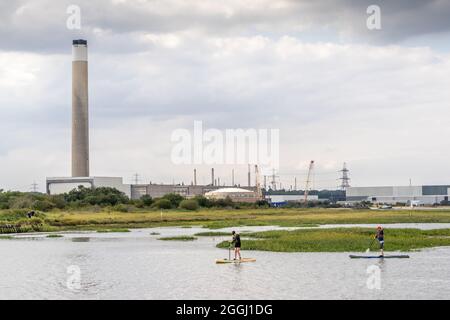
[
  {"x": 380, "y": 237},
  {"x": 237, "y": 245}
]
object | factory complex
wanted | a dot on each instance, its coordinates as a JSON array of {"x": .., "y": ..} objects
[{"x": 412, "y": 195}]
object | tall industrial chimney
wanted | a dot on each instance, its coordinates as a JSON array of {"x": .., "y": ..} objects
[
  {"x": 212, "y": 176},
  {"x": 80, "y": 110},
  {"x": 195, "y": 177},
  {"x": 249, "y": 176}
]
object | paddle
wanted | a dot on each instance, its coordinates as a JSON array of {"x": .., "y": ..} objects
[{"x": 370, "y": 245}]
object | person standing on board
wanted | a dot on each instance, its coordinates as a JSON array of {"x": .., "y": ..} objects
[
  {"x": 237, "y": 245},
  {"x": 380, "y": 237}
]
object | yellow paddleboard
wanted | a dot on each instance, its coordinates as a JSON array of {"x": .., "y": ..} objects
[{"x": 235, "y": 261}]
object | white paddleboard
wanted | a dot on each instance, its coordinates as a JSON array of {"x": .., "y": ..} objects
[{"x": 235, "y": 261}]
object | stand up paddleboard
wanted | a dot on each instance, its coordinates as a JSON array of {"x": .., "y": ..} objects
[
  {"x": 379, "y": 257},
  {"x": 235, "y": 261}
]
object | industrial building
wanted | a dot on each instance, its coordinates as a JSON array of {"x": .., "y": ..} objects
[
  {"x": 80, "y": 148},
  {"x": 64, "y": 185},
  {"x": 187, "y": 191},
  {"x": 235, "y": 194},
  {"x": 424, "y": 195},
  {"x": 80, "y": 156},
  {"x": 282, "y": 199}
]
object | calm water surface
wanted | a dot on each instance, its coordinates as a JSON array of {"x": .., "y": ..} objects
[{"x": 135, "y": 265}]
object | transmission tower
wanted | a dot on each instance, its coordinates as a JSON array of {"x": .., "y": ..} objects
[
  {"x": 34, "y": 187},
  {"x": 274, "y": 180},
  {"x": 136, "y": 178},
  {"x": 345, "y": 180}
]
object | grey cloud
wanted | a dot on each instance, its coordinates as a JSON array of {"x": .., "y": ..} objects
[
  {"x": 343, "y": 97},
  {"x": 40, "y": 25}
]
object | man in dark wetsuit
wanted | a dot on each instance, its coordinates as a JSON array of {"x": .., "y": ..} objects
[
  {"x": 380, "y": 237},
  {"x": 237, "y": 245}
]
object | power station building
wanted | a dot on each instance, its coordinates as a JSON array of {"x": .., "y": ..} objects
[
  {"x": 80, "y": 132},
  {"x": 64, "y": 185},
  {"x": 426, "y": 195},
  {"x": 80, "y": 146}
]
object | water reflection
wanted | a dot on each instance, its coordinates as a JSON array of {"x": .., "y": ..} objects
[{"x": 80, "y": 239}]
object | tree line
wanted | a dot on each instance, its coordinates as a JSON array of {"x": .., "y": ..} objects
[{"x": 101, "y": 197}]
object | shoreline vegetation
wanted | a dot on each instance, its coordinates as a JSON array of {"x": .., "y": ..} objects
[
  {"x": 342, "y": 240},
  {"x": 16, "y": 220},
  {"x": 178, "y": 238},
  {"x": 349, "y": 239}
]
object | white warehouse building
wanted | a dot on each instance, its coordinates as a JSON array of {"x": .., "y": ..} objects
[{"x": 430, "y": 194}]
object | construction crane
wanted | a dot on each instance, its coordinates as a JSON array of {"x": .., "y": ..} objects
[{"x": 308, "y": 180}]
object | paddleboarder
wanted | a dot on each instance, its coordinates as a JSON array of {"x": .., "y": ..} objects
[
  {"x": 237, "y": 244},
  {"x": 380, "y": 237}
]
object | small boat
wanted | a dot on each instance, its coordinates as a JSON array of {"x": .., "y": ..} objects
[
  {"x": 401, "y": 256},
  {"x": 235, "y": 261}
]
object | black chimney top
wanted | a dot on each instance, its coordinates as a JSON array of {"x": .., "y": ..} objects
[{"x": 79, "y": 41}]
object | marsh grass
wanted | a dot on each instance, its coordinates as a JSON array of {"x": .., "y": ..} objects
[
  {"x": 113, "y": 230},
  {"x": 55, "y": 236},
  {"x": 216, "y": 219},
  {"x": 342, "y": 240},
  {"x": 212, "y": 234},
  {"x": 178, "y": 238}
]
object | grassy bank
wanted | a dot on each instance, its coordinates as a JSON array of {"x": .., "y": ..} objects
[
  {"x": 178, "y": 238},
  {"x": 214, "y": 219},
  {"x": 213, "y": 234},
  {"x": 342, "y": 240}
]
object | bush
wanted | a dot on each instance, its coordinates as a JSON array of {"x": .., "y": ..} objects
[
  {"x": 162, "y": 204},
  {"x": 58, "y": 201},
  {"x": 103, "y": 196},
  {"x": 43, "y": 205},
  {"x": 263, "y": 204},
  {"x": 189, "y": 205},
  {"x": 147, "y": 200},
  {"x": 122, "y": 208},
  {"x": 203, "y": 201},
  {"x": 174, "y": 198},
  {"x": 223, "y": 203},
  {"x": 21, "y": 202}
]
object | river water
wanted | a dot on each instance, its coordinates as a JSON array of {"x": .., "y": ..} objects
[{"x": 136, "y": 265}]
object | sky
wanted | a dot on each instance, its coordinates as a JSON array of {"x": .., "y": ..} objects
[{"x": 336, "y": 90}]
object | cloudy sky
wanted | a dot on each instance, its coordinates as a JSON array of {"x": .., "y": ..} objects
[{"x": 338, "y": 92}]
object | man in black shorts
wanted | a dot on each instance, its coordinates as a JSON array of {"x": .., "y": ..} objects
[
  {"x": 380, "y": 237},
  {"x": 237, "y": 245}
]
